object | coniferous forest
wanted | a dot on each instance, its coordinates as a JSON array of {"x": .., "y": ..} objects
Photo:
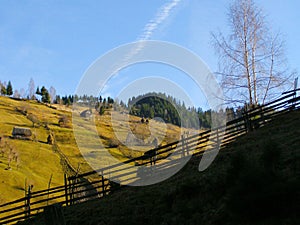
[{"x": 172, "y": 110}]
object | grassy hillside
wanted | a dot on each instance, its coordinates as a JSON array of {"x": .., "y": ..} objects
[
  {"x": 37, "y": 161},
  {"x": 255, "y": 180}
]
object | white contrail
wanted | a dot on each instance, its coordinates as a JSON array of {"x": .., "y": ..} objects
[{"x": 162, "y": 14}]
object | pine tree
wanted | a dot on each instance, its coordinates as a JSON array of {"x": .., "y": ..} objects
[
  {"x": 38, "y": 92},
  {"x": 57, "y": 99},
  {"x": 3, "y": 89},
  {"x": 9, "y": 89},
  {"x": 45, "y": 95}
]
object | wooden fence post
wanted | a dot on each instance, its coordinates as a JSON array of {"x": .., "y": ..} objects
[
  {"x": 66, "y": 189},
  {"x": 262, "y": 115},
  {"x": 187, "y": 148},
  {"x": 182, "y": 146},
  {"x": 293, "y": 106},
  {"x": 247, "y": 122},
  {"x": 103, "y": 185},
  {"x": 218, "y": 138},
  {"x": 71, "y": 191},
  {"x": 154, "y": 157},
  {"x": 49, "y": 184},
  {"x": 27, "y": 202}
]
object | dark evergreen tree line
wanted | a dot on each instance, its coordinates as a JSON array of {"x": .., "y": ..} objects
[
  {"x": 173, "y": 111},
  {"x": 102, "y": 104}
]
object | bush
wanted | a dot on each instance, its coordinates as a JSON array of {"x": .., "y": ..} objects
[
  {"x": 64, "y": 121},
  {"x": 101, "y": 110},
  {"x": 33, "y": 119},
  {"x": 50, "y": 139},
  {"x": 113, "y": 143}
]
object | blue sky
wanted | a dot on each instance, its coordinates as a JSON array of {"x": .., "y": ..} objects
[{"x": 54, "y": 42}]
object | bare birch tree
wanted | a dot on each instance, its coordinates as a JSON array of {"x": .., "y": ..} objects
[
  {"x": 31, "y": 89},
  {"x": 52, "y": 94},
  {"x": 252, "y": 65}
]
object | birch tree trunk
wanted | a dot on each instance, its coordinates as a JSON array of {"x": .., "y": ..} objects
[{"x": 252, "y": 65}]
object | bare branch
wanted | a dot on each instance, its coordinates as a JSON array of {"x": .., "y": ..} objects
[{"x": 252, "y": 65}]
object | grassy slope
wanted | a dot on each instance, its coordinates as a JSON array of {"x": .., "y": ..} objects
[
  {"x": 37, "y": 159},
  {"x": 255, "y": 180},
  {"x": 106, "y": 131}
]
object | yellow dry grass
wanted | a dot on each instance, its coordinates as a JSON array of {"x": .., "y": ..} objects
[{"x": 38, "y": 160}]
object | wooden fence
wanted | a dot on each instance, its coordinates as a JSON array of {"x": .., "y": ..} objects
[{"x": 79, "y": 187}]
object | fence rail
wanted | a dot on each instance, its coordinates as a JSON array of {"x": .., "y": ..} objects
[{"x": 79, "y": 188}]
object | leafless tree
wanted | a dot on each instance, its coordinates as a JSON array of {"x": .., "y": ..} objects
[
  {"x": 2, "y": 146},
  {"x": 22, "y": 93},
  {"x": 16, "y": 94},
  {"x": 9, "y": 150},
  {"x": 52, "y": 94},
  {"x": 31, "y": 89},
  {"x": 13, "y": 155},
  {"x": 252, "y": 65}
]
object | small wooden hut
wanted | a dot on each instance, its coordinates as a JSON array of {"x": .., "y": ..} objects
[
  {"x": 86, "y": 114},
  {"x": 21, "y": 132}
]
